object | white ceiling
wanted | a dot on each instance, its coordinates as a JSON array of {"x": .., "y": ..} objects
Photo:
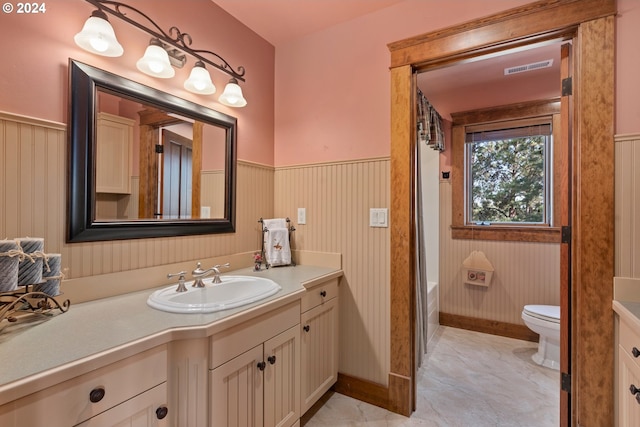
[
  {"x": 482, "y": 83},
  {"x": 448, "y": 89}
]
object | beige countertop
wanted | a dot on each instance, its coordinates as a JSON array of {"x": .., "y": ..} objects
[
  {"x": 96, "y": 333},
  {"x": 630, "y": 311},
  {"x": 626, "y": 300}
]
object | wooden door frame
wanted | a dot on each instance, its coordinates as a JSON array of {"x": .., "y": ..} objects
[{"x": 592, "y": 344}]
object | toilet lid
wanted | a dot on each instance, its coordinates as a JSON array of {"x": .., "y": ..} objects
[{"x": 550, "y": 313}]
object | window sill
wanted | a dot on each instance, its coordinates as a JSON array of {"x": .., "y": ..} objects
[{"x": 506, "y": 233}]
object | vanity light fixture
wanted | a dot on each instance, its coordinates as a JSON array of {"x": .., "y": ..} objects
[
  {"x": 232, "y": 95},
  {"x": 155, "y": 61},
  {"x": 199, "y": 80},
  {"x": 97, "y": 36},
  {"x": 165, "y": 51}
]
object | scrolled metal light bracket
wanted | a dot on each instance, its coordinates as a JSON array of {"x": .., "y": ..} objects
[{"x": 180, "y": 41}]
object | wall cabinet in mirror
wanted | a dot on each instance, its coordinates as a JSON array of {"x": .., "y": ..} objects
[
  {"x": 114, "y": 139},
  {"x": 144, "y": 163}
]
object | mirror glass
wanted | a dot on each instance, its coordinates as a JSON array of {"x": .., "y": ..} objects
[{"x": 144, "y": 163}]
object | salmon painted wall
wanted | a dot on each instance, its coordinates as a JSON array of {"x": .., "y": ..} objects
[
  {"x": 627, "y": 64},
  {"x": 333, "y": 86},
  {"x": 33, "y": 80}
]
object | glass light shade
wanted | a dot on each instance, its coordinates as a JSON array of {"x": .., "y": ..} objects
[
  {"x": 97, "y": 36},
  {"x": 232, "y": 95},
  {"x": 155, "y": 62},
  {"x": 199, "y": 80}
]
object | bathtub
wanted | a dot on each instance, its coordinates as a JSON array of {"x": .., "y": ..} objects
[{"x": 433, "y": 311}]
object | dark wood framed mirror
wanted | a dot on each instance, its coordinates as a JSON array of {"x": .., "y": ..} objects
[{"x": 144, "y": 163}]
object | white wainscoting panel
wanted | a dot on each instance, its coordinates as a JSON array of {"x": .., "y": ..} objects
[
  {"x": 337, "y": 198},
  {"x": 627, "y": 209},
  {"x": 525, "y": 273}
]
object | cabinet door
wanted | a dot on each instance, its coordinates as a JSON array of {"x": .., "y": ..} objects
[
  {"x": 319, "y": 350},
  {"x": 113, "y": 159},
  {"x": 235, "y": 391},
  {"x": 145, "y": 410},
  {"x": 282, "y": 379},
  {"x": 628, "y": 406}
]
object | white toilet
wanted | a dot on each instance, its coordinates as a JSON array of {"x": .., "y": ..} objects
[{"x": 545, "y": 321}]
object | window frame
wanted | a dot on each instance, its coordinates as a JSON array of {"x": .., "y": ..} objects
[{"x": 504, "y": 232}]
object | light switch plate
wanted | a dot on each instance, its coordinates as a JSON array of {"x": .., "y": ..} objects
[
  {"x": 378, "y": 217},
  {"x": 205, "y": 211},
  {"x": 302, "y": 215}
]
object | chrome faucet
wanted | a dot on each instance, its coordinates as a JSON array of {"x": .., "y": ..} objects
[
  {"x": 181, "y": 287},
  {"x": 200, "y": 274}
]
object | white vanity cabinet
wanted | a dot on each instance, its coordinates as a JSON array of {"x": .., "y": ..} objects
[
  {"x": 628, "y": 375},
  {"x": 319, "y": 341},
  {"x": 114, "y": 144},
  {"x": 254, "y": 375},
  {"x": 129, "y": 392}
]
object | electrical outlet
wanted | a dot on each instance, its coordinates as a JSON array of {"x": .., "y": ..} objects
[{"x": 302, "y": 215}]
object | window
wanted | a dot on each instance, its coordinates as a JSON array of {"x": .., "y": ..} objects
[
  {"x": 508, "y": 173},
  {"x": 507, "y": 169}
]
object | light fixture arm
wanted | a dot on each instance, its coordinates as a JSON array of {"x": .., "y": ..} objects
[{"x": 176, "y": 38}]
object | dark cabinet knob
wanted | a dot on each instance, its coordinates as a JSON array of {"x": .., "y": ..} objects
[
  {"x": 97, "y": 394},
  {"x": 271, "y": 359},
  {"x": 633, "y": 389},
  {"x": 306, "y": 328},
  {"x": 323, "y": 294},
  {"x": 635, "y": 352},
  {"x": 162, "y": 412},
  {"x": 638, "y": 398},
  {"x": 262, "y": 365}
]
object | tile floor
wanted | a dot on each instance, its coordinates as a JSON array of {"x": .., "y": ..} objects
[{"x": 467, "y": 379}]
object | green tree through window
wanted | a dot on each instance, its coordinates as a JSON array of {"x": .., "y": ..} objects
[{"x": 508, "y": 173}]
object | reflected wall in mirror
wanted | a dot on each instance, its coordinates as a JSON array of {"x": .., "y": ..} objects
[{"x": 144, "y": 163}]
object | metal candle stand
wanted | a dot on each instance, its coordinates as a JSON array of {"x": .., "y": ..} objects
[{"x": 28, "y": 301}]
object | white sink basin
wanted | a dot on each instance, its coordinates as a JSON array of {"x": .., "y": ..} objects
[{"x": 234, "y": 291}]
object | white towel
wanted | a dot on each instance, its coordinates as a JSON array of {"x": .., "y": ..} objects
[
  {"x": 274, "y": 223},
  {"x": 276, "y": 246}
]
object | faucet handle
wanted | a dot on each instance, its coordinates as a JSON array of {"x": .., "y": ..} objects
[
  {"x": 181, "y": 287},
  {"x": 216, "y": 269}
]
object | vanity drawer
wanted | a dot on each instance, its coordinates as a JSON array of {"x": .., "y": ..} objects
[
  {"x": 317, "y": 294},
  {"x": 630, "y": 342},
  {"x": 70, "y": 402}
]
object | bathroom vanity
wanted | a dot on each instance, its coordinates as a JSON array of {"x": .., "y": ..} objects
[
  {"x": 117, "y": 361},
  {"x": 626, "y": 306}
]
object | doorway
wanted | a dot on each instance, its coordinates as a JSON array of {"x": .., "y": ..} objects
[
  {"x": 592, "y": 231},
  {"x": 485, "y": 94},
  {"x": 175, "y": 177}
]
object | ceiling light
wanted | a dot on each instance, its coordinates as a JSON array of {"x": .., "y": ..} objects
[
  {"x": 232, "y": 95},
  {"x": 97, "y": 36},
  {"x": 155, "y": 61},
  {"x": 199, "y": 80}
]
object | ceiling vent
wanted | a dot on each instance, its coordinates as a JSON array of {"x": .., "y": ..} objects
[{"x": 528, "y": 67}]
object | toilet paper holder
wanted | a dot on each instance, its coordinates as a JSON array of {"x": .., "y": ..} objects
[{"x": 477, "y": 269}]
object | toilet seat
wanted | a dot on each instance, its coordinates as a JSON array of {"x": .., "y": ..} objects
[{"x": 548, "y": 313}]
